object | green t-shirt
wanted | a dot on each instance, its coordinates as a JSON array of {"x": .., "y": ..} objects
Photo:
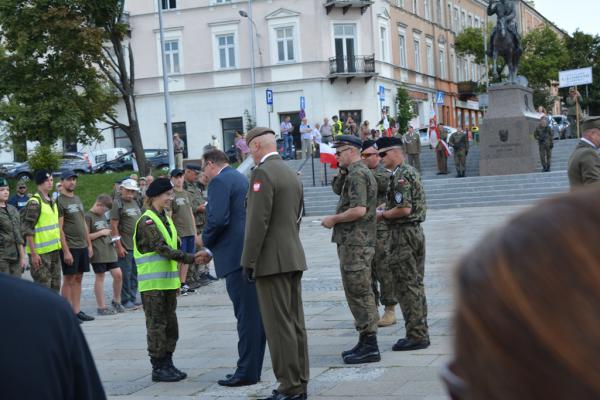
[
  {"x": 127, "y": 213},
  {"x": 181, "y": 207},
  {"x": 104, "y": 249},
  {"x": 71, "y": 209}
]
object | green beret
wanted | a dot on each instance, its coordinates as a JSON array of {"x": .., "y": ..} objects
[
  {"x": 3, "y": 182},
  {"x": 256, "y": 132},
  {"x": 590, "y": 123}
]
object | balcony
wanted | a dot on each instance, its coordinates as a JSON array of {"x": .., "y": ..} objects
[
  {"x": 467, "y": 89},
  {"x": 345, "y": 5},
  {"x": 350, "y": 67}
]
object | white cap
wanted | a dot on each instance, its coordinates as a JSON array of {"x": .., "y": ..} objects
[{"x": 130, "y": 184}]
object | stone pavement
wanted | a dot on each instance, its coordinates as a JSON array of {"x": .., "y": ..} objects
[{"x": 207, "y": 344}]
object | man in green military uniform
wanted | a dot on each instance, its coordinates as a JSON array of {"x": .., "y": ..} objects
[
  {"x": 42, "y": 234},
  {"x": 441, "y": 151},
  {"x": 380, "y": 266},
  {"x": 404, "y": 212},
  {"x": 412, "y": 147},
  {"x": 355, "y": 232},
  {"x": 273, "y": 255},
  {"x": 460, "y": 143},
  {"x": 12, "y": 252},
  {"x": 573, "y": 102},
  {"x": 584, "y": 164},
  {"x": 543, "y": 135}
]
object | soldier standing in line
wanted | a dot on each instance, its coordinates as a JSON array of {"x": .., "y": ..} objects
[
  {"x": 412, "y": 146},
  {"x": 573, "y": 102},
  {"x": 42, "y": 233},
  {"x": 404, "y": 212},
  {"x": 543, "y": 135},
  {"x": 380, "y": 266},
  {"x": 355, "y": 232},
  {"x": 12, "y": 252},
  {"x": 460, "y": 143},
  {"x": 155, "y": 250},
  {"x": 190, "y": 185},
  {"x": 441, "y": 152}
]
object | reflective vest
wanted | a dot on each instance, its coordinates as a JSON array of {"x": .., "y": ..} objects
[
  {"x": 338, "y": 128},
  {"x": 47, "y": 231},
  {"x": 156, "y": 272}
]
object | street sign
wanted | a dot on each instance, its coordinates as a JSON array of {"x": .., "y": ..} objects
[
  {"x": 381, "y": 93},
  {"x": 302, "y": 103},
  {"x": 575, "y": 77},
  {"x": 439, "y": 98},
  {"x": 269, "y": 97}
]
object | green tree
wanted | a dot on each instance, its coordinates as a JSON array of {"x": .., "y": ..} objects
[
  {"x": 405, "y": 110},
  {"x": 44, "y": 156},
  {"x": 544, "y": 54},
  {"x": 584, "y": 51},
  {"x": 470, "y": 42}
]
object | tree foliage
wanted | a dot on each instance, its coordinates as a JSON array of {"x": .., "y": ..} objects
[
  {"x": 470, "y": 42},
  {"x": 405, "y": 110},
  {"x": 45, "y": 157},
  {"x": 584, "y": 51},
  {"x": 544, "y": 55}
]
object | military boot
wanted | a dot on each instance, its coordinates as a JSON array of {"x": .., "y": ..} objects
[
  {"x": 367, "y": 352},
  {"x": 179, "y": 372},
  {"x": 356, "y": 346},
  {"x": 388, "y": 318},
  {"x": 162, "y": 372}
]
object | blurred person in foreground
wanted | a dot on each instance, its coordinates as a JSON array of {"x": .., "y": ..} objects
[
  {"x": 584, "y": 164},
  {"x": 527, "y": 322}
]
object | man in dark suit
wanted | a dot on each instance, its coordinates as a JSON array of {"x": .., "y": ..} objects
[
  {"x": 584, "y": 165},
  {"x": 223, "y": 238},
  {"x": 273, "y": 255}
]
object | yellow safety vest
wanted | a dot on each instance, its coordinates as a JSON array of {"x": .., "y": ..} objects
[
  {"x": 338, "y": 128},
  {"x": 156, "y": 272},
  {"x": 47, "y": 231}
]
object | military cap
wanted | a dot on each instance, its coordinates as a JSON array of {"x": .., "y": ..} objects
[
  {"x": 158, "y": 187},
  {"x": 256, "y": 132},
  {"x": 388, "y": 143},
  {"x": 572, "y": 89},
  {"x": 3, "y": 182},
  {"x": 130, "y": 184},
  {"x": 367, "y": 143},
  {"x": 193, "y": 167},
  {"x": 67, "y": 174},
  {"x": 590, "y": 123},
  {"x": 347, "y": 140},
  {"x": 176, "y": 172},
  {"x": 41, "y": 175}
]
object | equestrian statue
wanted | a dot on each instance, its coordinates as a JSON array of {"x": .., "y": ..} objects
[{"x": 505, "y": 40}]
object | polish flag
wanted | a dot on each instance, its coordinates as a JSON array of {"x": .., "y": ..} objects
[
  {"x": 327, "y": 155},
  {"x": 434, "y": 133}
]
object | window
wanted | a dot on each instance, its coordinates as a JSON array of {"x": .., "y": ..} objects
[
  {"x": 430, "y": 67},
  {"x": 168, "y": 4},
  {"x": 427, "y": 7},
  {"x": 455, "y": 20},
  {"x": 417, "y": 46},
  {"x": 415, "y": 7},
  {"x": 285, "y": 44},
  {"x": 383, "y": 43},
  {"x": 438, "y": 12},
  {"x": 121, "y": 139},
  {"x": 345, "y": 41},
  {"x": 463, "y": 21},
  {"x": 442, "y": 64},
  {"x": 226, "y": 46},
  {"x": 402, "y": 39},
  {"x": 477, "y": 23},
  {"x": 470, "y": 21},
  {"x": 222, "y": 1},
  {"x": 451, "y": 68},
  {"x": 172, "y": 56}
]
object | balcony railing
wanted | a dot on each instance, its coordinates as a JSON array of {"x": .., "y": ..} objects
[
  {"x": 351, "y": 67},
  {"x": 345, "y": 5}
]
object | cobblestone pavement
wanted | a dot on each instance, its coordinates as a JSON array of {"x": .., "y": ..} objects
[{"x": 207, "y": 344}]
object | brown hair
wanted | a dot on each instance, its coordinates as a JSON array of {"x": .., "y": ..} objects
[
  {"x": 105, "y": 200},
  {"x": 216, "y": 156},
  {"x": 527, "y": 320}
]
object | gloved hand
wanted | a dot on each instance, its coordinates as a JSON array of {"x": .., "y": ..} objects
[{"x": 249, "y": 274}]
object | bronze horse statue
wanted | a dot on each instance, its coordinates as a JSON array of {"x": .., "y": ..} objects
[{"x": 504, "y": 45}]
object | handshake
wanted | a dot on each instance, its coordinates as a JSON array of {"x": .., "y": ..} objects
[{"x": 202, "y": 257}]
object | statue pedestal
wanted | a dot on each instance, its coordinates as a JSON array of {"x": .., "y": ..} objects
[{"x": 506, "y": 135}]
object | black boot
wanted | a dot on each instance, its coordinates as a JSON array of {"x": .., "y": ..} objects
[
  {"x": 161, "y": 372},
  {"x": 182, "y": 374},
  {"x": 352, "y": 350},
  {"x": 367, "y": 352}
]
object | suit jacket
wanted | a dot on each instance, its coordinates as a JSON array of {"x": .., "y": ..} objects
[
  {"x": 275, "y": 201},
  {"x": 225, "y": 213},
  {"x": 584, "y": 165}
]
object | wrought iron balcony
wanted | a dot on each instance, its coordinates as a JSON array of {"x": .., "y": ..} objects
[
  {"x": 345, "y": 5},
  {"x": 350, "y": 67},
  {"x": 467, "y": 88}
]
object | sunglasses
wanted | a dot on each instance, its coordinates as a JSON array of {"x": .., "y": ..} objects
[
  {"x": 339, "y": 152},
  {"x": 383, "y": 154},
  {"x": 365, "y": 156},
  {"x": 455, "y": 386}
]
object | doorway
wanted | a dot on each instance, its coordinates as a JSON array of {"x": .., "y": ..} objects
[
  {"x": 345, "y": 41},
  {"x": 229, "y": 127},
  {"x": 296, "y": 121}
]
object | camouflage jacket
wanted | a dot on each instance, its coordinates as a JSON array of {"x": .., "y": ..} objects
[
  {"x": 543, "y": 134},
  {"x": 10, "y": 233},
  {"x": 459, "y": 141},
  {"x": 382, "y": 177},
  {"x": 406, "y": 190},
  {"x": 197, "y": 199}
]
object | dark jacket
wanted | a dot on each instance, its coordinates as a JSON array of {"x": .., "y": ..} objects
[{"x": 584, "y": 165}]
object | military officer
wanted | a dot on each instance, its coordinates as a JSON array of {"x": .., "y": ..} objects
[
  {"x": 441, "y": 151},
  {"x": 380, "y": 267},
  {"x": 274, "y": 210},
  {"x": 460, "y": 143},
  {"x": 584, "y": 164},
  {"x": 42, "y": 234},
  {"x": 573, "y": 102},
  {"x": 156, "y": 253},
  {"x": 404, "y": 212},
  {"x": 355, "y": 232},
  {"x": 543, "y": 135},
  {"x": 412, "y": 147},
  {"x": 12, "y": 252}
]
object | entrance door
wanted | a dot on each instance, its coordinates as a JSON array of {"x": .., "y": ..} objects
[
  {"x": 230, "y": 126},
  {"x": 295, "y": 120},
  {"x": 345, "y": 39}
]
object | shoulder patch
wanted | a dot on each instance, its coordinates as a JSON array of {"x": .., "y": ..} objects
[{"x": 398, "y": 197}]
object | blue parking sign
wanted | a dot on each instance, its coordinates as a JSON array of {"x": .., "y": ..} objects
[
  {"x": 269, "y": 97},
  {"x": 302, "y": 103},
  {"x": 381, "y": 93}
]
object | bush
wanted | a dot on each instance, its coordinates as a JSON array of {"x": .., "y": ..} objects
[{"x": 44, "y": 157}]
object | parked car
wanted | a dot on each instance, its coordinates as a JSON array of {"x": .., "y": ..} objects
[
  {"x": 157, "y": 158},
  {"x": 425, "y": 138},
  {"x": 77, "y": 162},
  {"x": 104, "y": 155},
  {"x": 562, "y": 127}
]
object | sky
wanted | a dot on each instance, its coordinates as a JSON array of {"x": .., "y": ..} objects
[{"x": 572, "y": 14}]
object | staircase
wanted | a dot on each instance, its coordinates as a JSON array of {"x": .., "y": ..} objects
[{"x": 446, "y": 191}]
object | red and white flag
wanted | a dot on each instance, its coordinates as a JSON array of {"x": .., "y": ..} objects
[
  {"x": 434, "y": 133},
  {"x": 327, "y": 155}
]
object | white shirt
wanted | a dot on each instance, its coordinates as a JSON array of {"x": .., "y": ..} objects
[
  {"x": 262, "y": 160},
  {"x": 589, "y": 142},
  {"x": 316, "y": 135}
]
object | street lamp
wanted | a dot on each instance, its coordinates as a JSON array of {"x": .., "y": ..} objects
[{"x": 251, "y": 27}]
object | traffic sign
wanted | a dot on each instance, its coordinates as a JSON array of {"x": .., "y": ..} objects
[
  {"x": 302, "y": 103},
  {"x": 575, "y": 77},
  {"x": 381, "y": 93},
  {"x": 439, "y": 98},
  {"x": 269, "y": 97}
]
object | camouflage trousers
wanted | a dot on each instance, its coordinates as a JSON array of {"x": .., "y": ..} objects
[
  {"x": 383, "y": 277},
  {"x": 545, "y": 156},
  {"x": 48, "y": 274},
  {"x": 195, "y": 272},
  {"x": 460, "y": 161},
  {"x": 355, "y": 266},
  {"x": 162, "y": 330},
  {"x": 406, "y": 249},
  {"x": 10, "y": 267}
]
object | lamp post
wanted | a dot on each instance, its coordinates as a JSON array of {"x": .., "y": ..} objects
[
  {"x": 251, "y": 26},
  {"x": 166, "y": 89}
]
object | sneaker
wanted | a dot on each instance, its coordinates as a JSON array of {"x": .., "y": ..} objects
[
  {"x": 106, "y": 311},
  {"x": 187, "y": 289},
  {"x": 129, "y": 306},
  {"x": 84, "y": 317},
  {"x": 118, "y": 307}
]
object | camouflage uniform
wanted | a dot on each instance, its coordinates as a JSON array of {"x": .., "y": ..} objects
[
  {"x": 382, "y": 273},
  {"x": 406, "y": 249},
  {"x": 356, "y": 243},
  {"x": 412, "y": 148},
  {"x": 159, "y": 305},
  {"x": 543, "y": 134},
  {"x": 195, "y": 270},
  {"x": 49, "y": 272},
  {"x": 460, "y": 143},
  {"x": 10, "y": 241}
]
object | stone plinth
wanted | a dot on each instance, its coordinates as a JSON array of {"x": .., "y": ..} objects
[{"x": 506, "y": 135}]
